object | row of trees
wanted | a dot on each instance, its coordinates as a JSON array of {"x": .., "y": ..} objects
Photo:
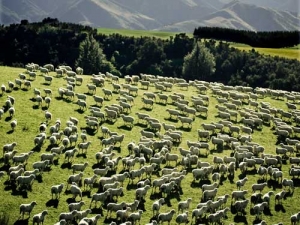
[
  {"x": 268, "y": 39},
  {"x": 179, "y": 56}
]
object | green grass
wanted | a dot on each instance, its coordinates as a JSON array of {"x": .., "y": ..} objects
[
  {"x": 138, "y": 33},
  {"x": 29, "y": 118}
]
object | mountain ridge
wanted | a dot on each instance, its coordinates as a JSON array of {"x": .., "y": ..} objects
[{"x": 167, "y": 15}]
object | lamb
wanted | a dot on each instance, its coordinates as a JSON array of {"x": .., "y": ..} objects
[
  {"x": 182, "y": 218},
  {"x": 156, "y": 205},
  {"x": 68, "y": 216},
  {"x": 39, "y": 218},
  {"x": 99, "y": 197},
  {"x": 27, "y": 208},
  {"x": 75, "y": 190},
  {"x": 166, "y": 217},
  {"x": 259, "y": 187},
  {"x": 114, "y": 185},
  {"x": 57, "y": 189},
  {"x": 135, "y": 216},
  {"x": 13, "y": 124},
  {"x": 184, "y": 205},
  {"x": 186, "y": 120}
]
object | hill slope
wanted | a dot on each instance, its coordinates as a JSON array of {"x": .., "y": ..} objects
[{"x": 243, "y": 16}]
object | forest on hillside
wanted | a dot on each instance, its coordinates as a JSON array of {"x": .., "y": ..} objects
[{"x": 51, "y": 41}]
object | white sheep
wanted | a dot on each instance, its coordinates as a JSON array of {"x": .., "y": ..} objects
[
  {"x": 70, "y": 153},
  {"x": 135, "y": 216},
  {"x": 184, "y": 205},
  {"x": 288, "y": 183},
  {"x": 166, "y": 217},
  {"x": 75, "y": 178},
  {"x": 157, "y": 204},
  {"x": 99, "y": 197},
  {"x": 258, "y": 187},
  {"x": 75, "y": 190},
  {"x": 295, "y": 218},
  {"x": 57, "y": 189},
  {"x": 238, "y": 194},
  {"x": 82, "y": 214},
  {"x": 209, "y": 194},
  {"x": 241, "y": 183},
  {"x": 27, "y": 208},
  {"x": 13, "y": 124},
  {"x": 141, "y": 192},
  {"x": 114, "y": 207},
  {"x": 182, "y": 218},
  {"x": 280, "y": 195},
  {"x": 39, "y": 218},
  {"x": 41, "y": 165},
  {"x": 68, "y": 216}
]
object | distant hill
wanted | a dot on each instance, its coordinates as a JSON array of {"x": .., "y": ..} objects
[
  {"x": 238, "y": 15},
  {"x": 167, "y": 15}
]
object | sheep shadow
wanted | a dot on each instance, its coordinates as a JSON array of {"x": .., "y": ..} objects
[
  {"x": 45, "y": 108},
  {"x": 296, "y": 182},
  {"x": 125, "y": 127},
  {"x": 52, "y": 203},
  {"x": 66, "y": 165},
  {"x": 36, "y": 148},
  {"x": 10, "y": 132},
  {"x": 22, "y": 222},
  {"x": 49, "y": 147},
  {"x": 110, "y": 220},
  {"x": 256, "y": 221},
  {"x": 80, "y": 111},
  {"x": 8, "y": 118},
  {"x": 35, "y": 107},
  {"x": 186, "y": 129},
  {"x": 142, "y": 125},
  {"x": 71, "y": 200},
  {"x": 279, "y": 207},
  {"x": 83, "y": 155},
  {"x": 39, "y": 178},
  {"x": 90, "y": 131},
  {"x": 20, "y": 192},
  {"x": 274, "y": 184},
  {"x": 131, "y": 186},
  {"x": 155, "y": 195},
  {"x": 97, "y": 211},
  {"x": 240, "y": 219}
]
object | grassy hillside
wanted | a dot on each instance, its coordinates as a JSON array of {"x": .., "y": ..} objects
[
  {"x": 30, "y": 116},
  {"x": 291, "y": 53}
]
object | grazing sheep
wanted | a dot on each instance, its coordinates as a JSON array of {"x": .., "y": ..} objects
[
  {"x": 27, "y": 208},
  {"x": 184, "y": 205},
  {"x": 99, "y": 197},
  {"x": 57, "y": 189},
  {"x": 39, "y": 218},
  {"x": 166, "y": 217}
]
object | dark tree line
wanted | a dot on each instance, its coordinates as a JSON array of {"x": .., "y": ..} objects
[
  {"x": 270, "y": 39},
  {"x": 51, "y": 41}
]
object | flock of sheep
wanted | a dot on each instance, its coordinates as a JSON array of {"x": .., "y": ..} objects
[{"x": 158, "y": 161}]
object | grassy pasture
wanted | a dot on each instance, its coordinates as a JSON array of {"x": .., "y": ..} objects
[
  {"x": 29, "y": 118},
  {"x": 139, "y": 33}
]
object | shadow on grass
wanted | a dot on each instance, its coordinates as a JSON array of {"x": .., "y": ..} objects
[
  {"x": 199, "y": 184},
  {"x": 66, "y": 165},
  {"x": 8, "y": 118},
  {"x": 22, "y": 222},
  {"x": 36, "y": 148},
  {"x": 39, "y": 178},
  {"x": 35, "y": 107},
  {"x": 10, "y": 131},
  {"x": 240, "y": 219},
  {"x": 97, "y": 211},
  {"x": 125, "y": 127},
  {"x": 21, "y": 192},
  {"x": 80, "y": 111},
  {"x": 279, "y": 208},
  {"x": 52, "y": 203}
]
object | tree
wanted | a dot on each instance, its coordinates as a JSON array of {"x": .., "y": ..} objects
[
  {"x": 199, "y": 64},
  {"x": 91, "y": 57}
]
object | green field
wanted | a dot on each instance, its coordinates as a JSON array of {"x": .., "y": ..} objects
[
  {"x": 30, "y": 116},
  {"x": 290, "y": 53},
  {"x": 138, "y": 33}
]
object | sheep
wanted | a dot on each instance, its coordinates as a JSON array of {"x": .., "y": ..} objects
[
  {"x": 141, "y": 192},
  {"x": 171, "y": 157},
  {"x": 75, "y": 178},
  {"x": 238, "y": 194},
  {"x": 209, "y": 194},
  {"x": 25, "y": 180},
  {"x": 266, "y": 197},
  {"x": 57, "y": 189},
  {"x": 259, "y": 208},
  {"x": 184, "y": 205},
  {"x": 68, "y": 216},
  {"x": 48, "y": 156},
  {"x": 289, "y": 183},
  {"x": 133, "y": 205},
  {"x": 135, "y": 216},
  {"x": 57, "y": 150},
  {"x": 241, "y": 205},
  {"x": 75, "y": 190},
  {"x": 123, "y": 214},
  {"x": 9, "y": 155},
  {"x": 156, "y": 205},
  {"x": 258, "y": 187},
  {"x": 280, "y": 195},
  {"x": 82, "y": 214},
  {"x": 277, "y": 174},
  {"x": 99, "y": 197},
  {"x": 106, "y": 180},
  {"x": 13, "y": 124},
  {"x": 70, "y": 154},
  {"x": 241, "y": 183},
  {"x": 166, "y": 217},
  {"x": 186, "y": 120},
  {"x": 9, "y": 147},
  {"x": 84, "y": 146},
  {"x": 91, "y": 88},
  {"x": 27, "y": 208},
  {"x": 114, "y": 185},
  {"x": 209, "y": 186},
  {"x": 182, "y": 218},
  {"x": 79, "y": 167},
  {"x": 39, "y": 218},
  {"x": 115, "y": 207},
  {"x": 295, "y": 218},
  {"x": 16, "y": 173},
  {"x": 22, "y": 158},
  {"x": 15, "y": 168}
]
